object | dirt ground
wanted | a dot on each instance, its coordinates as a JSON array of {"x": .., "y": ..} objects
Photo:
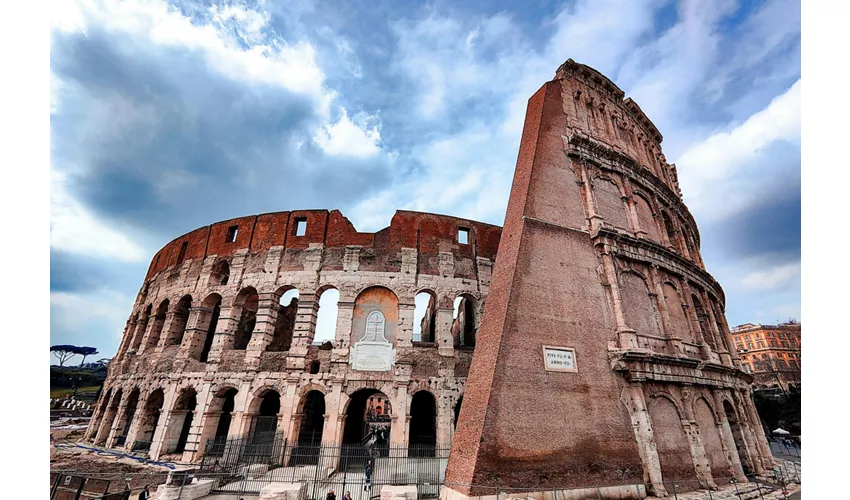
[{"x": 73, "y": 460}]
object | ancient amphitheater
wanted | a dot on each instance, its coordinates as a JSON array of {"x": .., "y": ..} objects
[{"x": 600, "y": 258}]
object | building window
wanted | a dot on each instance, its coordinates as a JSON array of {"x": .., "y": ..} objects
[
  {"x": 182, "y": 254},
  {"x": 749, "y": 345},
  {"x": 463, "y": 236},
  {"x": 770, "y": 334},
  {"x": 740, "y": 347},
  {"x": 300, "y": 226},
  {"x": 232, "y": 231},
  {"x": 760, "y": 344}
]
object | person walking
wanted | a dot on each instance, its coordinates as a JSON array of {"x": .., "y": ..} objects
[
  {"x": 145, "y": 494},
  {"x": 368, "y": 485},
  {"x": 331, "y": 495},
  {"x": 347, "y": 496}
]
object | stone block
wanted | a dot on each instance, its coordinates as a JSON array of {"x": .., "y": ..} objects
[
  {"x": 406, "y": 492},
  {"x": 196, "y": 489},
  {"x": 284, "y": 491}
]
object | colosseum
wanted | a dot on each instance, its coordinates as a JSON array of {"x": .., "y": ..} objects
[{"x": 602, "y": 357}]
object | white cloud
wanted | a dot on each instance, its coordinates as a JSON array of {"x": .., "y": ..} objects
[
  {"x": 78, "y": 312},
  {"x": 714, "y": 163},
  {"x": 73, "y": 229},
  {"x": 772, "y": 278},
  {"x": 347, "y": 138},
  {"x": 275, "y": 62}
]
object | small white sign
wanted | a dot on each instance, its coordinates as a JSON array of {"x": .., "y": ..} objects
[{"x": 559, "y": 359}]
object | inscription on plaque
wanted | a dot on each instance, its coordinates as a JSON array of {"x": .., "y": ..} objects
[
  {"x": 559, "y": 359},
  {"x": 373, "y": 353}
]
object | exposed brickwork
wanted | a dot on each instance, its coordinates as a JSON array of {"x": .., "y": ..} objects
[{"x": 599, "y": 254}]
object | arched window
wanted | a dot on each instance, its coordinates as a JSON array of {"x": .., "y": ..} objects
[{"x": 375, "y": 327}]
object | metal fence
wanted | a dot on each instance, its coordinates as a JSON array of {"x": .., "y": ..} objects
[{"x": 245, "y": 465}]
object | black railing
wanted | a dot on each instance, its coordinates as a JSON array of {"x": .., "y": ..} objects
[{"x": 242, "y": 466}]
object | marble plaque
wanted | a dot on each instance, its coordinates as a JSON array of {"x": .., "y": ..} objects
[
  {"x": 559, "y": 359},
  {"x": 369, "y": 356}
]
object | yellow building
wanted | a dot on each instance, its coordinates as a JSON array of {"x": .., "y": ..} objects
[{"x": 770, "y": 352}]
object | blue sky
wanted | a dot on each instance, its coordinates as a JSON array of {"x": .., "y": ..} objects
[{"x": 169, "y": 116}]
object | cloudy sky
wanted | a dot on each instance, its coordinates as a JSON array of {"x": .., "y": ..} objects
[{"x": 169, "y": 116}]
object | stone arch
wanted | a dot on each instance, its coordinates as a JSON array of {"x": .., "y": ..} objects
[
  {"x": 97, "y": 416},
  {"x": 702, "y": 321},
  {"x": 465, "y": 322},
  {"x": 422, "y": 435},
  {"x": 265, "y": 408},
  {"x": 127, "y": 417},
  {"x": 220, "y": 273},
  {"x": 639, "y": 307},
  {"x": 158, "y": 322},
  {"x": 286, "y": 299},
  {"x": 141, "y": 326},
  {"x": 425, "y": 316},
  {"x": 109, "y": 417},
  {"x": 678, "y": 324},
  {"x": 456, "y": 409},
  {"x": 219, "y": 417},
  {"x": 208, "y": 321},
  {"x": 311, "y": 410},
  {"x": 609, "y": 197},
  {"x": 368, "y": 418},
  {"x": 646, "y": 217},
  {"x": 671, "y": 442},
  {"x": 671, "y": 231},
  {"x": 709, "y": 430},
  {"x": 179, "y": 321},
  {"x": 326, "y": 317},
  {"x": 375, "y": 299},
  {"x": 151, "y": 414},
  {"x": 181, "y": 417},
  {"x": 245, "y": 306}
]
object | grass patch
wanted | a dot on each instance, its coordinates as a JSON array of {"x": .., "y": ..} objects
[{"x": 62, "y": 392}]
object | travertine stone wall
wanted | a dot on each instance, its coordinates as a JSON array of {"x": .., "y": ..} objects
[{"x": 161, "y": 358}]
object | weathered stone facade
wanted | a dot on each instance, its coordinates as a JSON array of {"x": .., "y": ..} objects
[
  {"x": 600, "y": 255},
  {"x": 209, "y": 340}
]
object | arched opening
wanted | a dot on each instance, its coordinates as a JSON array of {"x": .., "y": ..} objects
[
  {"x": 265, "y": 422},
  {"x": 425, "y": 317},
  {"x": 326, "y": 317},
  {"x": 639, "y": 308},
  {"x": 129, "y": 413},
  {"x": 150, "y": 420},
  {"x": 141, "y": 326},
  {"x": 672, "y": 444},
  {"x": 158, "y": 322},
  {"x": 182, "y": 417},
  {"x": 109, "y": 418},
  {"x": 672, "y": 234},
  {"x": 464, "y": 327},
  {"x": 179, "y": 321},
  {"x": 98, "y": 415},
  {"x": 368, "y": 419},
  {"x": 457, "y": 410},
  {"x": 264, "y": 428},
  {"x": 219, "y": 417},
  {"x": 310, "y": 429},
  {"x": 375, "y": 316},
  {"x": 678, "y": 324},
  {"x": 210, "y": 320},
  {"x": 285, "y": 324},
  {"x": 710, "y": 434},
  {"x": 738, "y": 437},
  {"x": 220, "y": 273},
  {"x": 248, "y": 301},
  {"x": 422, "y": 440}
]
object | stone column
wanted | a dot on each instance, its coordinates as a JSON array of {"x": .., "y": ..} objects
[
  {"x": 635, "y": 402},
  {"x": 228, "y": 320},
  {"x": 445, "y": 417},
  {"x": 626, "y": 336},
  {"x": 194, "y": 446},
  {"x": 195, "y": 334},
  {"x": 153, "y": 325},
  {"x": 693, "y": 321},
  {"x": 727, "y": 439},
  {"x": 401, "y": 418},
  {"x": 342, "y": 335},
  {"x": 443, "y": 331},
  {"x": 164, "y": 417},
  {"x": 702, "y": 468},
  {"x": 135, "y": 426},
  {"x": 755, "y": 427},
  {"x": 305, "y": 325},
  {"x": 746, "y": 437},
  {"x": 723, "y": 348},
  {"x": 118, "y": 423},
  {"x": 404, "y": 332},
  {"x": 267, "y": 311}
]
